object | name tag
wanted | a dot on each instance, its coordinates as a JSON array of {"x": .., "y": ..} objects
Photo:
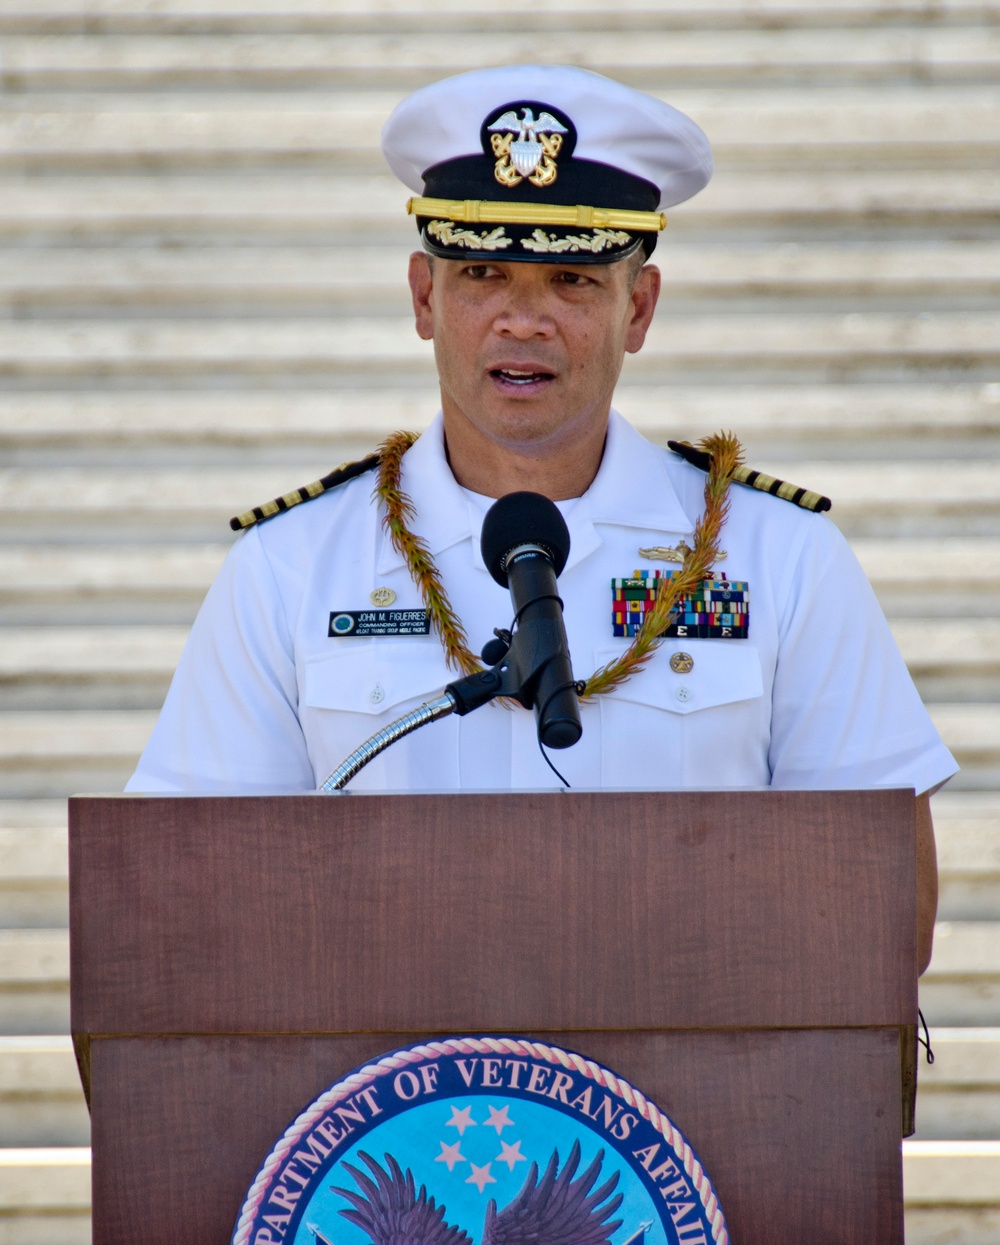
[{"x": 364, "y": 623}]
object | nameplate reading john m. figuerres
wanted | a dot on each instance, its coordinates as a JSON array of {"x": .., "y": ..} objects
[
  {"x": 378, "y": 622},
  {"x": 481, "y": 1141}
]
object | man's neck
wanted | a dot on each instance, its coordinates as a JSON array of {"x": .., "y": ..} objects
[{"x": 559, "y": 472}]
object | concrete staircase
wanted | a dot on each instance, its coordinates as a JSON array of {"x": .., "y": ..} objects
[{"x": 201, "y": 305}]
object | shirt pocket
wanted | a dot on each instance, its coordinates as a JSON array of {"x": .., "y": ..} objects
[
  {"x": 699, "y": 728},
  {"x": 374, "y": 678},
  {"x": 722, "y": 672},
  {"x": 350, "y": 694}
]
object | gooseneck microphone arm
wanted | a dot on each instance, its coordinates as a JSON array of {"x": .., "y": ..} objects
[
  {"x": 369, "y": 750},
  {"x": 535, "y": 670}
]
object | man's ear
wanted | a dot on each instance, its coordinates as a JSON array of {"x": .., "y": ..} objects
[
  {"x": 645, "y": 293},
  {"x": 421, "y": 288}
]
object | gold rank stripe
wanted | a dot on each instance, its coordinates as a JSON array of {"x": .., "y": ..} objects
[
  {"x": 339, "y": 475},
  {"x": 803, "y": 497},
  {"x": 493, "y": 212}
]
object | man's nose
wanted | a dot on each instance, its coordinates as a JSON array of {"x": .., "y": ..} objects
[{"x": 523, "y": 317}]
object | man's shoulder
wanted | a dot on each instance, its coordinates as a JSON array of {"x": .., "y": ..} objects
[
  {"x": 701, "y": 458},
  {"x": 294, "y": 541},
  {"x": 760, "y": 522},
  {"x": 305, "y": 493}
]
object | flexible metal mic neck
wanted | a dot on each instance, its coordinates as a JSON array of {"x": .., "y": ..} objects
[{"x": 369, "y": 750}]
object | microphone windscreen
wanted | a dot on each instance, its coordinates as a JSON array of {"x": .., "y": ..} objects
[{"x": 523, "y": 519}]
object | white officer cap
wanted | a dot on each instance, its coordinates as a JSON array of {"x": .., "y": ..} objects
[{"x": 541, "y": 162}]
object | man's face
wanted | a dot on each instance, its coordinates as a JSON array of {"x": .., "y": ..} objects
[{"x": 528, "y": 354}]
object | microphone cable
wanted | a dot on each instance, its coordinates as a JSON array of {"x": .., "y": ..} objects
[{"x": 548, "y": 762}]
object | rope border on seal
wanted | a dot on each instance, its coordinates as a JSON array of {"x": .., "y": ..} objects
[{"x": 482, "y": 1046}]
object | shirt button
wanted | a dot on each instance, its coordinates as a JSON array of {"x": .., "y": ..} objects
[
  {"x": 377, "y": 694},
  {"x": 683, "y": 693},
  {"x": 681, "y": 663}
]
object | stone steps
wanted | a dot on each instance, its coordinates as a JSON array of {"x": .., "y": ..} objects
[
  {"x": 34, "y": 981},
  {"x": 950, "y": 1171},
  {"x": 949, "y": 1224},
  {"x": 972, "y": 732},
  {"x": 34, "y": 866},
  {"x": 968, "y": 838},
  {"x": 962, "y": 985},
  {"x": 232, "y": 16},
  {"x": 109, "y": 667},
  {"x": 50, "y": 755},
  {"x": 894, "y": 125},
  {"x": 677, "y": 58},
  {"x": 228, "y": 205},
  {"x": 919, "y": 497},
  {"x": 105, "y": 583},
  {"x": 959, "y": 1094},
  {"x": 43, "y": 1179},
  {"x": 911, "y": 418},
  {"x": 814, "y": 344},
  {"x": 41, "y": 1099},
  {"x": 338, "y": 279}
]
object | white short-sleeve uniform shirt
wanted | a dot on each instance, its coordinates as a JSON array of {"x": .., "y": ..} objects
[{"x": 817, "y": 696}]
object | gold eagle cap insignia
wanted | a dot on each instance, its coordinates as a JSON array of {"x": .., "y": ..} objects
[{"x": 526, "y": 146}]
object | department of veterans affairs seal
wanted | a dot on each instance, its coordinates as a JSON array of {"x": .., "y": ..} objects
[{"x": 481, "y": 1141}]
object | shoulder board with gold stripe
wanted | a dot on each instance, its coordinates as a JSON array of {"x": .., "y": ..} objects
[
  {"x": 339, "y": 475},
  {"x": 756, "y": 479}
]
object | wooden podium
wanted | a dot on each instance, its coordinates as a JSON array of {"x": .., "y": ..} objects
[{"x": 748, "y": 960}]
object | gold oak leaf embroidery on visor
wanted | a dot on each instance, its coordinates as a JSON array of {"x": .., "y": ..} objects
[
  {"x": 600, "y": 239},
  {"x": 448, "y": 235}
]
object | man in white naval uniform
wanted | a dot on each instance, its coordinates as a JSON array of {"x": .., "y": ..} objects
[{"x": 530, "y": 326}]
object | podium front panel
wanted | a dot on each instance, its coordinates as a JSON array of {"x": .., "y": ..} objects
[
  {"x": 417, "y": 913},
  {"x": 748, "y": 960}
]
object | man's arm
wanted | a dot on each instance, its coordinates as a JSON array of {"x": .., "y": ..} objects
[{"x": 927, "y": 882}]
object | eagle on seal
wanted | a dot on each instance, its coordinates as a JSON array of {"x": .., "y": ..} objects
[{"x": 557, "y": 1210}]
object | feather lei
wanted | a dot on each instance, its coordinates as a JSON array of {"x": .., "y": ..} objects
[{"x": 726, "y": 454}]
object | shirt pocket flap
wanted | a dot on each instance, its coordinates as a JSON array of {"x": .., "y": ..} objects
[
  {"x": 374, "y": 679},
  {"x": 723, "y": 671}
]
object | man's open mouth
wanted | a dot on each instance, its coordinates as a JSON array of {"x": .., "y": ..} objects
[{"x": 510, "y": 376}]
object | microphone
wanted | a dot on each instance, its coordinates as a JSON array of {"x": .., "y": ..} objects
[{"x": 525, "y": 544}]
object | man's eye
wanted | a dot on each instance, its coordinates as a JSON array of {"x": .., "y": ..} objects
[
  {"x": 478, "y": 271},
  {"x": 574, "y": 278}
]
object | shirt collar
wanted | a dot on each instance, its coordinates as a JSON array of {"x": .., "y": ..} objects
[
  {"x": 632, "y": 488},
  {"x": 444, "y": 515}
]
